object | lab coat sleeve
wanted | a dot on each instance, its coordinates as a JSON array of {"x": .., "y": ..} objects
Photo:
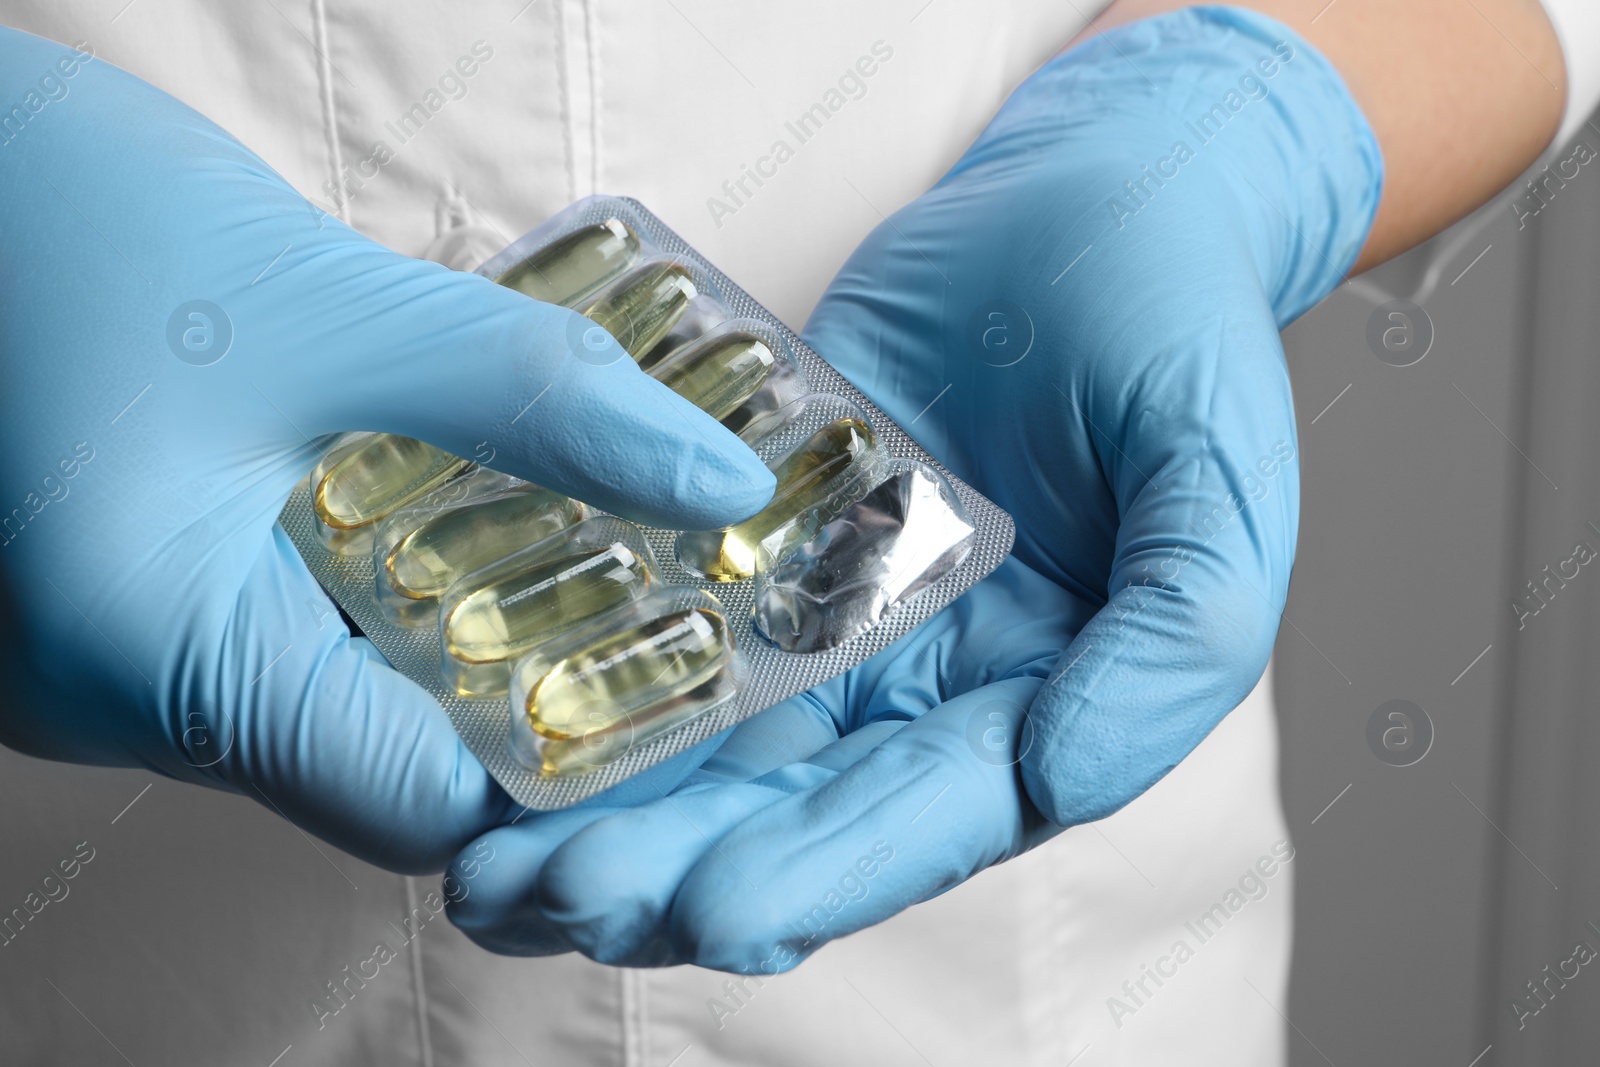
[{"x": 1577, "y": 23}]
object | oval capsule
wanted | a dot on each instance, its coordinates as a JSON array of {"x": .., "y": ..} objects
[
  {"x": 628, "y": 688},
  {"x": 575, "y": 266},
  {"x": 806, "y": 478},
  {"x": 513, "y": 612},
  {"x": 717, "y": 373},
  {"x": 453, "y": 544},
  {"x": 382, "y": 473},
  {"x": 643, "y": 306}
]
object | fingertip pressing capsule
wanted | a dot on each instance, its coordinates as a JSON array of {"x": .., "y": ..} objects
[
  {"x": 807, "y": 477},
  {"x": 355, "y": 488},
  {"x": 576, "y": 266},
  {"x": 642, "y": 306},
  {"x": 450, "y": 545},
  {"x": 717, "y": 373}
]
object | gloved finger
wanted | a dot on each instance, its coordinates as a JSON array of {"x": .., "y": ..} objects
[
  {"x": 499, "y": 913},
  {"x": 615, "y": 912},
  {"x": 600, "y": 878},
  {"x": 384, "y": 342},
  {"x": 293, "y": 714},
  {"x": 598, "y": 902},
  {"x": 491, "y": 896},
  {"x": 1200, "y": 571},
  {"x": 777, "y": 737},
  {"x": 924, "y": 810},
  {"x": 608, "y": 888}
]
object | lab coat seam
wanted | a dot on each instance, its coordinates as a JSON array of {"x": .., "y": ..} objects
[
  {"x": 330, "y": 108},
  {"x": 633, "y": 1043},
  {"x": 419, "y": 987},
  {"x": 1060, "y": 1039},
  {"x": 563, "y": 94},
  {"x": 591, "y": 19}
]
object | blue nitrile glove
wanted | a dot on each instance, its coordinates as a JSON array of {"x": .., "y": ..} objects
[
  {"x": 1082, "y": 320},
  {"x": 155, "y": 613}
]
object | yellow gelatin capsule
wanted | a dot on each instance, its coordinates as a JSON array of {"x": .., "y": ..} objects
[
  {"x": 515, "y": 611},
  {"x": 717, "y": 373},
  {"x": 643, "y": 306},
  {"x": 573, "y": 267},
  {"x": 382, "y": 473},
  {"x": 453, "y": 544},
  {"x": 639, "y": 684},
  {"x": 806, "y": 478}
]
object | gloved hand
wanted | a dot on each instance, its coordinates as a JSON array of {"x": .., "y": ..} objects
[
  {"x": 155, "y": 613},
  {"x": 1090, "y": 302}
]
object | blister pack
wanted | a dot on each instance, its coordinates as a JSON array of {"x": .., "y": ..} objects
[{"x": 572, "y": 649}]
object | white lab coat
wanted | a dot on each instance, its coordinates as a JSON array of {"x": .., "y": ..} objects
[{"x": 204, "y": 929}]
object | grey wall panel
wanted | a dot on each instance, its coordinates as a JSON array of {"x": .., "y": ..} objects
[
  {"x": 1546, "y": 867},
  {"x": 1409, "y": 479}
]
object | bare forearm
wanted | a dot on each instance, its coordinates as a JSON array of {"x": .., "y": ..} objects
[{"x": 1462, "y": 95}]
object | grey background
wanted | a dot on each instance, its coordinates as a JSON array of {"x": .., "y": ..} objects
[{"x": 1428, "y": 895}]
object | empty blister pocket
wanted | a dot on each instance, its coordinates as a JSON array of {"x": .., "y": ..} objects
[{"x": 829, "y": 581}]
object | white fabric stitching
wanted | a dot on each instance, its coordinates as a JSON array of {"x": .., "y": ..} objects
[
  {"x": 591, "y": 19},
  {"x": 632, "y": 1011},
  {"x": 330, "y": 115},
  {"x": 562, "y": 90},
  {"x": 419, "y": 989}
]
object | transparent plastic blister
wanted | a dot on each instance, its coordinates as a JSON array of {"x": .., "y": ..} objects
[
  {"x": 365, "y": 477},
  {"x": 572, "y": 649},
  {"x": 587, "y": 697},
  {"x": 494, "y": 616},
  {"x": 462, "y": 526}
]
